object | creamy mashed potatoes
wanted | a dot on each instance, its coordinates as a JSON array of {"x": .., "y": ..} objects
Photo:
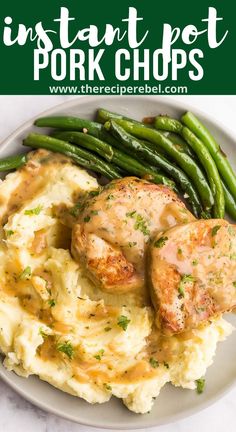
[{"x": 55, "y": 324}]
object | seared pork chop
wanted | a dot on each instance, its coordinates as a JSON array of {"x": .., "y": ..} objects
[{"x": 193, "y": 273}]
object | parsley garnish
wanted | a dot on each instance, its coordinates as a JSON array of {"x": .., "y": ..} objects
[
  {"x": 94, "y": 193},
  {"x": 34, "y": 211},
  {"x": 74, "y": 211},
  {"x": 107, "y": 329},
  {"x": 42, "y": 333},
  {"x": 131, "y": 214},
  {"x": 87, "y": 219},
  {"x": 234, "y": 284},
  {"x": 200, "y": 385},
  {"x": 9, "y": 233},
  {"x": 184, "y": 280},
  {"x": 107, "y": 387},
  {"x": 99, "y": 355},
  {"x": 26, "y": 274},
  {"x": 153, "y": 362},
  {"x": 110, "y": 197},
  {"x": 166, "y": 365},
  {"x": 131, "y": 244},
  {"x": 123, "y": 322},
  {"x": 215, "y": 230},
  {"x": 51, "y": 302},
  {"x": 161, "y": 242},
  {"x": 66, "y": 348},
  {"x": 195, "y": 262},
  {"x": 140, "y": 223}
]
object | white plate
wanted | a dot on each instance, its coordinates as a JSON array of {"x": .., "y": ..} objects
[{"x": 173, "y": 403}]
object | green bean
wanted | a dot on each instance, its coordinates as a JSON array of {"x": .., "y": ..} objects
[
  {"x": 217, "y": 154},
  {"x": 168, "y": 124},
  {"x": 69, "y": 123},
  {"x": 138, "y": 148},
  {"x": 12, "y": 162},
  {"x": 211, "y": 171},
  {"x": 122, "y": 160},
  {"x": 82, "y": 157},
  {"x": 88, "y": 141},
  {"x": 172, "y": 129},
  {"x": 104, "y": 115},
  {"x": 179, "y": 143},
  {"x": 188, "y": 165},
  {"x": 230, "y": 205}
]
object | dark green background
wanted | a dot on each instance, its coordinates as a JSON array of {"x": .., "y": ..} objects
[{"x": 16, "y": 71}]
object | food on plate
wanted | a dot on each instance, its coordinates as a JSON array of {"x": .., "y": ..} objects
[
  {"x": 111, "y": 284},
  {"x": 192, "y": 273},
  {"x": 112, "y": 230}
]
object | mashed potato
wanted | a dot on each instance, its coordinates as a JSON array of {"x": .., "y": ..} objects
[{"x": 55, "y": 324}]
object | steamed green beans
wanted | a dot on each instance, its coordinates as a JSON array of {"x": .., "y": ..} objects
[
  {"x": 188, "y": 165},
  {"x": 69, "y": 123},
  {"x": 134, "y": 146},
  {"x": 219, "y": 157},
  {"x": 122, "y": 160},
  {"x": 12, "y": 162},
  {"x": 87, "y": 141},
  {"x": 211, "y": 171}
]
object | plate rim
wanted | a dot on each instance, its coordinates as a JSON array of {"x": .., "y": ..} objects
[{"x": 77, "y": 100}]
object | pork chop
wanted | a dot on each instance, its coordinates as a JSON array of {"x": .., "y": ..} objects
[{"x": 192, "y": 273}]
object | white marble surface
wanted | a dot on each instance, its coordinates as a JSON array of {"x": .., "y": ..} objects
[{"x": 17, "y": 415}]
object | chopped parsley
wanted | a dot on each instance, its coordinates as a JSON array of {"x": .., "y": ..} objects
[
  {"x": 161, "y": 242},
  {"x": 42, "y": 333},
  {"x": 110, "y": 197},
  {"x": 66, "y": 348},
  {"x": 99, "y": 355},
  {"x": 94, "y": 193},
  {"x": 34, "y": 211},
  {"x": 51, "y": 302},
  {"x": 74, "y": 211},
  {"x": 233, "y": 256},
  {"x": 215, "y": 230},
  {"x": 131, "y": 214},
  {"x": 166, "y": 365},
  {"x": 123, "y": 322},
  {"x": 234, "y": 284},
  {"x": 94, "y": 212},
  {"x": 26, "y": 274},
  {"x": 107, "y": 329},
  {"x": 87, "y": 219},
  {"x": 140, "y": 223},
  {"x": 107, "y": 387},
  {"x": 131, "y": 244},
  {"x": 179, "y": 251},
  {"x": 9, "y": 233},
  {"x": 153, "y": 362},
  {"x": 195, "y": 262},
  {"x": 200, "y": 385},
  {"x": 184, "y": 280}
]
